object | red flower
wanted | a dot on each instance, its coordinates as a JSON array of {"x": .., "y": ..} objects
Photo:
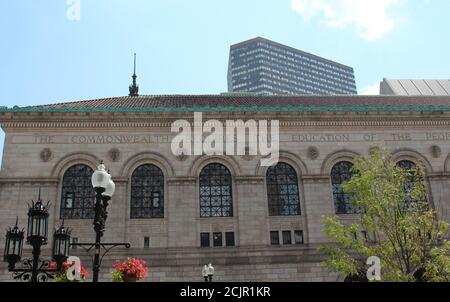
[
  {"x": 132, "y": 267},
  {"x": 53, "y": 266},
  {"x": 65, "y": 266}
]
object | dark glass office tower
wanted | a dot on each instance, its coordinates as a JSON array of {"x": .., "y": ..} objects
[{"x": 264, "y": 67}]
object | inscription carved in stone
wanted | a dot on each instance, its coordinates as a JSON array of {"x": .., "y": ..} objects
[{"x": 313, "y": 137}]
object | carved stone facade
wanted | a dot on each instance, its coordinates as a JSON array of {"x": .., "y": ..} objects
[{"x": 310, "y": 143}]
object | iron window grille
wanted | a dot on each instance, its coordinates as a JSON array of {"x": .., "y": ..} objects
[
  {"x": 282, "y": 191},
  {"x": 216, "y": 198},
  {"x": 77, "y": 196},
  {"x": 412, "y": 179},
  {"x": 340, "y": 174},
  {"x": 147, "y": 192}
]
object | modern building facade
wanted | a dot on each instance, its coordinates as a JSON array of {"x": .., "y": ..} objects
[
  {"x": 415, "y": 87},
  {"x": 179, "y": 212},
  {"x": 264, "y": 67}
]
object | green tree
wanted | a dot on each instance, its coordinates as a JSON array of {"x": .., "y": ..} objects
[{"x": 403, "y": 230}]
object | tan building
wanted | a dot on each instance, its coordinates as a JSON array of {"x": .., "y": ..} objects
[
  {"x": 180, "y": 212},
  {"x": 415, "y": 87}
]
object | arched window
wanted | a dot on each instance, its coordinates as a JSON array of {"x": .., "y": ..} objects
[
  {"x": 216, "y": 199},
  {"x": 77, "y": 198},
  {"x": 409, "y": 166},
  {"x": 147, "y": 192},
  {"x": 282, "y": 190},
  {"x": 340, "y": 174}
]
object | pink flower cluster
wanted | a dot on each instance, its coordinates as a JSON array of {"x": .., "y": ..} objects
[
  {"x": 83, "y": 271},
  {"x": 132, "y": 267}
]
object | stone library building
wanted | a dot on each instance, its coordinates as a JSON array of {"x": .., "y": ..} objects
[{"x": 180, "y": 212}]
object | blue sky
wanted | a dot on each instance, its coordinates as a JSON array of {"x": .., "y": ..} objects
[{"x": 183, "y": 46}]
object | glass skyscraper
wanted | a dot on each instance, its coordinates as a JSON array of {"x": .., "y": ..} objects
[{"x": 264, "y": 67}]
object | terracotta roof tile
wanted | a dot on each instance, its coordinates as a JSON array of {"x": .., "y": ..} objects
[{"x": 240, "y": 102}]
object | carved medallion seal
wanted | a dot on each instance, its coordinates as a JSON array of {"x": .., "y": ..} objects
[{"x": 45, "y": 155}]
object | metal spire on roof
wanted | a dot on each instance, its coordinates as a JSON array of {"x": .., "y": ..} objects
[{"x": 134, "y": 88}]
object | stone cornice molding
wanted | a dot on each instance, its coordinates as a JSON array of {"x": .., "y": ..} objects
[
  {"x": 246, "y": 179},
  {"x": 315, "y": 178},
  {"x": 285, "y": 124},
  {"x": 149, "y": 120},
  {"x": 249, "y": 180},
  {"x": 29, "y": 180},
  {"x": 438, "y": 176},
  {"x": 120, "y": 179},
  {"x": 182, "y": 180}
]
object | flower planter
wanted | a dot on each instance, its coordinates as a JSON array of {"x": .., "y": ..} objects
[
  {"x": 129, "y": 278},
  {"x": 131, "y": 270}
]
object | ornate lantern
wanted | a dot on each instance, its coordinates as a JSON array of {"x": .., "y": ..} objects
[
  {"x": 37, "y": 232},
  {"x": 109, "y": 190},
  {"x": 61, "y": 245},
  {"x": 100, "y": 178},
  {"x": 13, "y": 245}
]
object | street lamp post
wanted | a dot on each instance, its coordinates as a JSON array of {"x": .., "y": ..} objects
[
  {"x": 35, "y": 269},
  {"x": 100, "y": 181},
  {"x": 104, "y": 190}
]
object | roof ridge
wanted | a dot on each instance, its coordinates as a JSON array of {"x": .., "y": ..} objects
[
  {"x": 216, "y": 101},
  {"x": 233, "y": 96}
]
